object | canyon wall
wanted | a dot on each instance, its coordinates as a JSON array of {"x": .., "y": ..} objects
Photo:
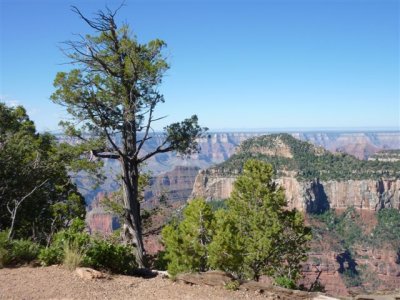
[
  {"x": 217, "y": 147},
  {"x": 311, "y": 195}
]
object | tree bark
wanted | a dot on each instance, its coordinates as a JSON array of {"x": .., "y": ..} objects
[{"x": 133, "y": 224}]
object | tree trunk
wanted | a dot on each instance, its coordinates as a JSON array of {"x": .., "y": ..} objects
[{"x": 133, "y": 223}]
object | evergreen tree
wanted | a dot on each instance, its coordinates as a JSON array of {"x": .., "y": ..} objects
[
  {"x": 186, "y": 243},
  {"x": 112, "y": 95},
  {"x": 256, "y": 235}
]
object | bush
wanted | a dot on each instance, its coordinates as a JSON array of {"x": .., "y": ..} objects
[
  {"x": 285, "y": 282},
  {"x": 16, "y": 251},
  {"x": 74, "y": 235},
  {"x": 68, "y": 246},
  {"x": 23, "y": 251},
  {"x": 4, "y": 249},
  {"x": 104, "y": 255},
  {"x": 232, "y": 285},
  {"x": 160, "y": 262},
  {"x": 51, "y": 256}
]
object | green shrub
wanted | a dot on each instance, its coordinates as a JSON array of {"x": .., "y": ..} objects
[
  {"x": 75, "y": 235},
  {"x": 51, "y": 256},
  {"x": 4, "y": 249},
  {"x": 104, "y": 255},
  {"x": 285, "y": 282},
  {"x": 23, "y": 251},
  {"x": 232, "y": 285},
  {"x": 160, "y": 261},
  {"x": 68, "y": 246}
]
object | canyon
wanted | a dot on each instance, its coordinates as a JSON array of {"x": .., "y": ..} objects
[
  {"x": 332, "y": 182},
  {"x": 176, "y": 179},
  {"x": 216, "y": 147}
]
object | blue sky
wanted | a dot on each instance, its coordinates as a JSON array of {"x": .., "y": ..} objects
[{"x": 236, "y": 64}]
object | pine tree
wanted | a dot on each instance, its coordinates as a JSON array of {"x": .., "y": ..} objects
[
  {"x": 112, "y": 95},
  {"x": 186, "y": 243},
  {"x": 257, "y": 234}
]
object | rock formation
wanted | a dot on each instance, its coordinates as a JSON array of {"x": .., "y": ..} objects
[
  {"x": 373, "y": 187},
  {"x": 311, "y": 195}
]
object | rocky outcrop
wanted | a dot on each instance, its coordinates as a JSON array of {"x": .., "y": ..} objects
[{"x": 311, "y": 196}]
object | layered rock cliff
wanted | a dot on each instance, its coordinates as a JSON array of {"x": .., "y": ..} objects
[
  {"x": 313, "y": 178},
  {"x": 310, "y": 195}
]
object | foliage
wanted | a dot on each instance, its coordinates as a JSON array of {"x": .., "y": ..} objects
[
  {"x": 105, "y": 255},
  {"x": 388, "y": 228},
  {"x": 160, "y": 261},
  {"x": 74, "y": 247},
  {"x": 186, "y": 243},
  {"x": 4, "y": 248},
  {"x": 52, "y": 255},
  {"x": 232, "y": 285},
  {"x": 349, "y": 229},
  {"x": 37, "y": 197},
  {"x": 111, "y": 94},
  {"x": 74, "y": 235},
  {"x": 285, "y": 282},
  {"x": 309, "y": 162},
  {"x": 345, "y": 228},
  {"x": 23, "y": 251},
  {"x": 253, "y": 235},
  {"x": 217, "y": 204},
  {"x": 14, "y": 252},
  {"x": 73, "y": 240},
  {"x": 269, "y": 239}
]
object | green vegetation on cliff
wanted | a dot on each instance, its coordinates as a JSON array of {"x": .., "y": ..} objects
[{"x": 287, "y": 154}]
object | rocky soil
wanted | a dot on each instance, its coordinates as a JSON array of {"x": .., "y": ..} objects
[{"x": 55, "y": 282}]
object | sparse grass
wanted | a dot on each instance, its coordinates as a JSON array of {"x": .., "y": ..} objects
[{"x": 73, "y": 256}]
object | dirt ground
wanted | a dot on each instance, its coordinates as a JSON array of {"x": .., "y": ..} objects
[{"x": 55, "y": 282}]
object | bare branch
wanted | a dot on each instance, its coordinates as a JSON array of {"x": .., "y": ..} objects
[
  {"x": 17, "y": 204},
  {"x": 101, "y": 154}
]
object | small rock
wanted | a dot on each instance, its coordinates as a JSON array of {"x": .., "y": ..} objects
[{"x": 89, "y": 274}]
